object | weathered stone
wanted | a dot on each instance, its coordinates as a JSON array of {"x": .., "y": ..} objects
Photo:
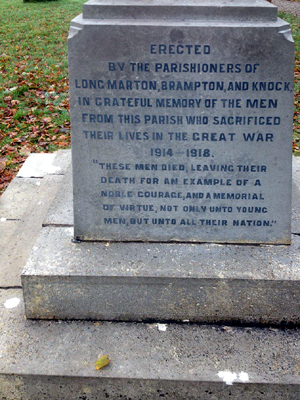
[
  {"x": 56, "y": 360},
  {"x": 181, "y": 121},
  {"x": 61, "y": 211},
  {"x": 21, "y": 222},
  {"x": 38, "y": 165},
  {"x": 237, "y": 283},
  {"x": 159, "y": 281},
  {"x": 23, "y": 208},
  {"x": 296, "y": 196}
]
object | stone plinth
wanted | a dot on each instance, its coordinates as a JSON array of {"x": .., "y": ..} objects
[
  {"x": 56, "y": 360},
  {"x": 160, "y": 281},
  {"x": 181, "y": 118}
]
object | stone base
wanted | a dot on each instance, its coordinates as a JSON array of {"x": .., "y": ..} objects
[
  {"x": 53, "y": 360},
  {"x": 154, "y": 281},
  {"x": 23, "y": 208},
  {"x": 159, "y": 281}
]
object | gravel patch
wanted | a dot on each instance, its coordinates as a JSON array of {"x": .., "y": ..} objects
[{"x": 291, "y": 7}]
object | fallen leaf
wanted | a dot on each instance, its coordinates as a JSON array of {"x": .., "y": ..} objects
[
  {"x": 25, "y": 151},
  {"x": 102, "y": 362},
  {"x": 3, "y": 162}
]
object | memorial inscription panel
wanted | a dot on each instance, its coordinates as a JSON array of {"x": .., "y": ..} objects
[{"x": 181, "y": 130}]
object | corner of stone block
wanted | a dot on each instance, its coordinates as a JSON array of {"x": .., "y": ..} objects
[
  {"x": 73, "y": 31},
  {"x": 287, "y": 33}
]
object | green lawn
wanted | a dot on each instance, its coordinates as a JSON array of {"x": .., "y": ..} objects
[
  {"x": 34, "y": 79},
  {"x": 295, "y": 24},
  {"x": 34, "y": 99}
]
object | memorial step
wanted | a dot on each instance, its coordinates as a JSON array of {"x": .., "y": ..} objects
[
  {"x": 141, "y": 282},
  {"x": 56, "y": 360},
  {"x": 159, "y": 281},
  {"x": 23, "y": 208},
  {"x": 211, "y": 10}
]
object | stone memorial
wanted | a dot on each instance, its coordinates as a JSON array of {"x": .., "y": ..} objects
[{"x": 181, "y": 117}]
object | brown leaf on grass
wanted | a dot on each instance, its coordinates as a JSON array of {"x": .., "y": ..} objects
[
  {"x": 25, "y": 150},
  {"x": 3, "y": 162},
  {"x": 62, "y": 144},
  {"x": 45, "y": 120},
  {"x": 7, "y": 148}
]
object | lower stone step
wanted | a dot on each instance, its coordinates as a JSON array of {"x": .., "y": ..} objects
[
  {"x": 160, "y": 281},
  {"x": 56, "y": 360},
  {"x": 154, "y": 281}
]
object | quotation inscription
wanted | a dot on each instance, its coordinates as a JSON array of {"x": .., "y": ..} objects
[{"x": 184, "y": 119}]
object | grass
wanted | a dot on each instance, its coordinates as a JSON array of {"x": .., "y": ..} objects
[
  {"x": 295, "y": 25},
  {"x": 34, "y": 99},
  {"x": 34, "y": 103}
]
